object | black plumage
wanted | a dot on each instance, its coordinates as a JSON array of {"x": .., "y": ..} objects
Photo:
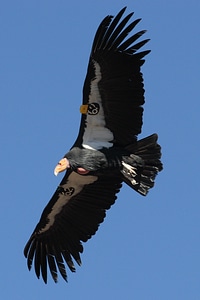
[{"x": 105, "y": 153}]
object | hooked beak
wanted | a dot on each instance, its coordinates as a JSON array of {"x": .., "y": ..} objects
[{"x": 61, "y": 166}]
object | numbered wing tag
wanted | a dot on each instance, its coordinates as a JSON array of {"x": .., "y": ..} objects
[{"x": 90, "y": 109}]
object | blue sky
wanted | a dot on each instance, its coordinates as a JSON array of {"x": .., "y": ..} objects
[{"x": 147, "y": 248}]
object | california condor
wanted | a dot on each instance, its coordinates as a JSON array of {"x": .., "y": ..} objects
[{"x": 105, "y": 154}]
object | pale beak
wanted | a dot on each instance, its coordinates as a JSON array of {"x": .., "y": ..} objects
[{"x": 61, "y": 166}]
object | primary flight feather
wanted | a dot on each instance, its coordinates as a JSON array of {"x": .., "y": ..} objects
[{"x": 105, "y": 154}]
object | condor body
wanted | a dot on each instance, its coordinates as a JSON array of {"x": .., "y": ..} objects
[{"x": 105, "y": 154}]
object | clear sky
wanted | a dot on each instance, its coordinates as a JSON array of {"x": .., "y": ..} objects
[{"x": 147, "y": 248}]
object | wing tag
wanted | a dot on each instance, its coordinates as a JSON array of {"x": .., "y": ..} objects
[
  {"x": 84, "y": 109},
  {"x": 90, "y": 109},
  {"x": 67, "y": 192}
]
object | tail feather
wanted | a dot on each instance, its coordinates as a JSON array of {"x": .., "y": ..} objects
[{"x": 140, "y": 173}]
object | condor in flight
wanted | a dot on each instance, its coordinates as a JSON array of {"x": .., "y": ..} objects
[{"x": 105, "y": 154}]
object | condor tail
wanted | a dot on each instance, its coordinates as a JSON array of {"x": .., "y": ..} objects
[{"x": 143, "y": 164}]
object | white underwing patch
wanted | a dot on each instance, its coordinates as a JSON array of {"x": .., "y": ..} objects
[
  {"x": 96, "y": 134},
  {"x": 75, "y": 181}
]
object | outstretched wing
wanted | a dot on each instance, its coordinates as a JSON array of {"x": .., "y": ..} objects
[
  {"x": 113, "y": 92},
  {"x": 73, "y": 215}
]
